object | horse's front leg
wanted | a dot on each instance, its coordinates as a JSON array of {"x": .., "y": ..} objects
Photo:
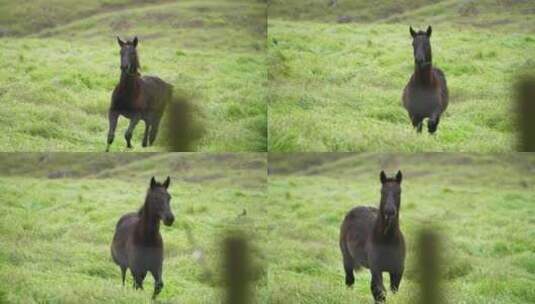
[
  {"x": 377, "y": 287},
  {"x": 432, "y": 123},
  {"x": 113, "y": 116},
  {"x": 131, "y": 126},
  {"x": 395, "y": 280},
  {"x": 417, "y": 123},
  {"x": 158, "y": 282}
]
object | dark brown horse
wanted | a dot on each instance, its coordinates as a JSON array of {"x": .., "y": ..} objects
[
  {"x": 426, "y": 94},
  {"x": 137, "y": 243},
  {"x": 137, "y": 98},
  {"x": 371, "y": 238}
]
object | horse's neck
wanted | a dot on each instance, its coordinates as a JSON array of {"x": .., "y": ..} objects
[
  {"x": 424, "y": 76},
  {"x": 384, "y": 233},
  {"x": 149, "y": 224},
  {"x": 129, "y": 83}
]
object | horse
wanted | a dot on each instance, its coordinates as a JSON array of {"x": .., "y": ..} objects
[
  {"x": 371, "y": 238},
  {"x": 137, "y": 97},
  {"x": 137, "y": 244},
  {"x": 426, "y": 94}
]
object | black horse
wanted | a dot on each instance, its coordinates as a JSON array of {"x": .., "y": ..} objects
[
  {"x": 137, "y": 98},
  {"x": 426, "y": 94},
  {"x": 371, "y": 237},
  {"x": 137, "y": 243}
]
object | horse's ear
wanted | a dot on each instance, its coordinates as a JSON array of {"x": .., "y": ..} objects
[
  {"x": 399, "y": 177},
  {"x": 429, "y": 30},
  {"x": 135, "y": 41},
  {"x": 413, "y": 33},
  {"x": 383, "y": 177},
  {"x": 121, "y": 43},
  {"x": 152, "y": 182},
  {"x": 166, "y": 183}
]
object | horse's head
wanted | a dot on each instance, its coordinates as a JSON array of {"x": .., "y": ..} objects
[
  {"x": 421, "y": 46},
  {"x": 129, "y": 58},
  {"x": 390, "y": 197},
  {"x": 159, "y": 199}
]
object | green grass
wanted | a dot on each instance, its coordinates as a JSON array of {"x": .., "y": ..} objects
[
  {"x": 482, "y": 205},
  {"x": 56, "y": 233},
  {"x": 337, "y": 87},
  {"x": 56, "y": 80}
]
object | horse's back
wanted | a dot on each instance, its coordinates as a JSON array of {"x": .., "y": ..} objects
[
  {"x": 355, "y": 232},
  {"x": 157, "y": 92},
  {"x": 123, "y": 230}
]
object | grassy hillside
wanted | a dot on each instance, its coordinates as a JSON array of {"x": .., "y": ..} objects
[
  {"x": 482, "y": 205},
  {"x": 57, "y": 78},
  {"x": 500, "y": 14},
  {"x": 337, "y": 87},
  {"x": 55, "y": 232}
]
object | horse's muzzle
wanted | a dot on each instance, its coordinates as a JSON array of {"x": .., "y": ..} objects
[
  {"x": 422, "y": 63},
  {"x": 168, "y": 220}
]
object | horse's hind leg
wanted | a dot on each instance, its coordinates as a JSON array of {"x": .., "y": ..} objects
[
  {"x": 123, "y": 273},
  {"x": 154, "y": 130},
  {"x": 113, "y": 116},
  {"x": 395, "y": 280},
  {"x": 349, "y": 270},
  {"x": 128, "y": 134},
  {"x": 138, "y": 279},
  {"x": 146, "y": 134}
]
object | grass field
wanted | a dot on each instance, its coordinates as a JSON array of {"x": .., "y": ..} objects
[
  {"x": 337, "y": 73},
  {"x": 58, "y": 213},
  {"x": 60, "y": 62},
  {"x": 482, "y": 205}
]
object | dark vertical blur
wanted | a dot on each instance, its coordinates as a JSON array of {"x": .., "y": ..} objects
[
  {"x": 237, "y": 270},
  {"x": 183, "y": 126},
  {"x": 429, "y": 267},
  {"x": 525, "y": 90}
]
